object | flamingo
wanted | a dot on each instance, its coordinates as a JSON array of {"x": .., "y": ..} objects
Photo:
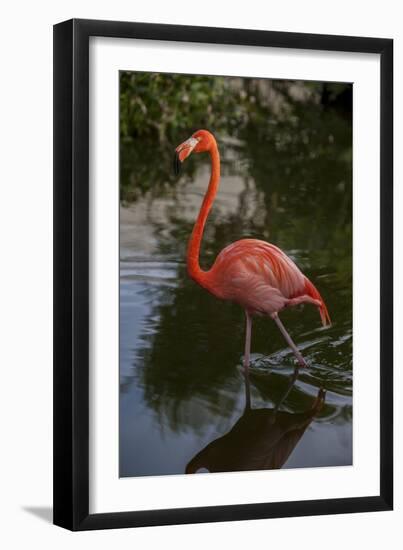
[{"x": 257, "y": 275}]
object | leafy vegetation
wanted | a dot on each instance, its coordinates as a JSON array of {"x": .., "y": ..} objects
[{"x": 157, "y": 111}]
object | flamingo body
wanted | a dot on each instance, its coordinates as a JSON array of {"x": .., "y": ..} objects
[
  {"x": 261, "y": 278},
  {"x": 255, "y": 274}
]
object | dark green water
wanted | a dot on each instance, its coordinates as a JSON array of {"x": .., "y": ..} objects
[{"x": 182, "y": 387}]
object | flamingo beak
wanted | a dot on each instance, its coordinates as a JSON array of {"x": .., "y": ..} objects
[{"x": 182, "y": 152}]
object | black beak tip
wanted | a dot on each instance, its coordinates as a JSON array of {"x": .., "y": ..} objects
[{"x": 176, "y": 164}]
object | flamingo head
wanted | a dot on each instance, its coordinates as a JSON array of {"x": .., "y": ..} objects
[{"x": 199, "y": 142}]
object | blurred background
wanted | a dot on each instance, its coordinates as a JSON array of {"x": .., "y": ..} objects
[{"x": 286, "y": 154}]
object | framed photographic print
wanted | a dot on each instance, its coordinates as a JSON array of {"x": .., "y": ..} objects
[{"x": 223, "y": 320}]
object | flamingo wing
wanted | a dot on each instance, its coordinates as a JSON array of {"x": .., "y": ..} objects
[{"x": 261, "y": 278}]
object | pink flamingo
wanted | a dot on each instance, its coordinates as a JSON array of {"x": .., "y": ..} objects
[{"x": 257, "y": 275}]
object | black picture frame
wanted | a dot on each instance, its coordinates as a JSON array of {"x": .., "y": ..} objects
[{"x": 71, "y": 273}]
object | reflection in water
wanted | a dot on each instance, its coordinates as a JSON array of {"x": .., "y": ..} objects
[{"x": 262, "y": 439}]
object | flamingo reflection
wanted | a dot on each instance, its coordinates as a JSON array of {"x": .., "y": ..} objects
[{"x": 262, "y": 439}]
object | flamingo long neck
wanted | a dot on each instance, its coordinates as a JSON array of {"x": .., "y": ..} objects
[{"x": 193, "y": 252}]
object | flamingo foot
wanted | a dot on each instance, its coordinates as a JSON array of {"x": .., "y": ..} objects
[{"x": 302, "y": 362}]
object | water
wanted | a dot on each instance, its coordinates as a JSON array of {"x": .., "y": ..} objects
[{"x": 184, "y": 402}]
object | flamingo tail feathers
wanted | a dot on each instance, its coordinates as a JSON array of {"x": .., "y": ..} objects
[{"x": 313, "y": 292}]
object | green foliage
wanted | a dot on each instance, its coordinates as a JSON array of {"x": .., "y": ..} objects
[
  {"x": 158, "y": 111},
  {"x": 164, "y": 105}
]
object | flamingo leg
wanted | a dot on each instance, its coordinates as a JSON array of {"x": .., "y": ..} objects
[
  {"x": 246, "y": 357},
  {"x": 288, "y": 339},
  {"x": 247, "y": 391}
]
